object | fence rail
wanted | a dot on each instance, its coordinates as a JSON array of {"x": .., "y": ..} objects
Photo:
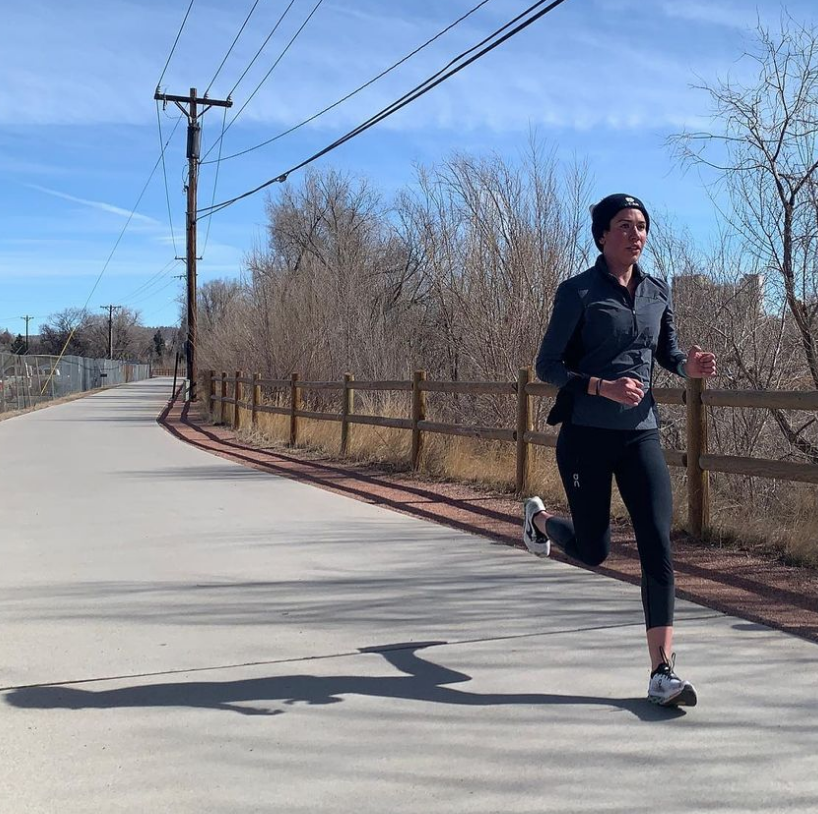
[{"x": 696, "y": 458}]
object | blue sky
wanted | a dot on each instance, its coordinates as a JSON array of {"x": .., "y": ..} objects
[{"x": 605, "y": 80}]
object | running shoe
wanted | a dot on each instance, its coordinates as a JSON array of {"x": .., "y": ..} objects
[
  {"x": 668, "y": 690},
  {"x": 535, "y": 541}
]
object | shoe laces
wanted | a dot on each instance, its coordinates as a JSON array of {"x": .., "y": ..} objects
[{"x": 668, "y": 665}]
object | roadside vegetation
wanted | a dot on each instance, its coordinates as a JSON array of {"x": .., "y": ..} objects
[
  {"x": 78, "y": 332},
  {"x": 456, "y": 275}
]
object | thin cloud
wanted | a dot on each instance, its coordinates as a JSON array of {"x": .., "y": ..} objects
[
  {"x": 99, "y": 205},
  {"x": 711, "y": 14}
]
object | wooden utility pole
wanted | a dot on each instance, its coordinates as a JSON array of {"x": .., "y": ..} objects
[
  {"x": 111, "y": 309},
  {"x": 28, "y": 319},
  {"x": 194, "y": 143}
]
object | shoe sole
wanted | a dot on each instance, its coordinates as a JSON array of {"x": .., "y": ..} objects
[
  {"x": 540, "y": 549},
  {"x": 686, "y": 697}
]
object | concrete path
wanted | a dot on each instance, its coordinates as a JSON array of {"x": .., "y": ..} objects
[{"x": 181, "y": 634}]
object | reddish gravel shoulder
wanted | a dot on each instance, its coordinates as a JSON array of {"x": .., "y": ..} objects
[{"x": 738, "y": 583}]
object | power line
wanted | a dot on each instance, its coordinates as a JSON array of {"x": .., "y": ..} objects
[
  {"x": 266, "y": 76},
  {"x": 280, "y": 57},
  {"x": 152, "y": 294},
  {"x": 130, "y": 216},
  {"x": 150, "y": 314},
  {"x": 232, "y": 45},
  {"x": 424, "y": 87},
  {"x": 179, "y": 34},
  {"x": 150, "y": 280},
  {"x": 215, "y": 182},
  {"x": 165, "y": 174},
  {"x": 359, "y": 89},
  {"x": 17, "y": 316},
  {"x": 258, "y": 53},
  {"x": 415, "y": 93},
  {"x": 168, "y": 116},
  {"x": 116, "y": 245}
]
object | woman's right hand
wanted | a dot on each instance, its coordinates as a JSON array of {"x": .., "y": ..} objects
[{"x": 625, "y": 391}]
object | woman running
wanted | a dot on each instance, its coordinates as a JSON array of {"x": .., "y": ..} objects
[{"x": 609, "y": 325}]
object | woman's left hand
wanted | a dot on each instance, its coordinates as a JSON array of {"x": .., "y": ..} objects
[{"x": 700, "y": 364}]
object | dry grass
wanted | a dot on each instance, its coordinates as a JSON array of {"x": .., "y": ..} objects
[
  {"x": 275, "y": 428},
  {"x": 791, "y": 534},
  {"x": 487, "y": 464}
]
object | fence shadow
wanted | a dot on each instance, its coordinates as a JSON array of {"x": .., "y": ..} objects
[{"x": 464, "y": 514}]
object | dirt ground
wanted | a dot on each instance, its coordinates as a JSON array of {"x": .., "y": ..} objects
[{"x": 742, "y": 584}]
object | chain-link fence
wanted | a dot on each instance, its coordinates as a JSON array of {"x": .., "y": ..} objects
[{"x": 26, "y": 381}]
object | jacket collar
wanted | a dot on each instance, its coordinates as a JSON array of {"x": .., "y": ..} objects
[{"x": 601, "y": 266}]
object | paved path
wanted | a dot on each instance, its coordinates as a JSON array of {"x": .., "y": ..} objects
[{"x": 181, "y": 634}]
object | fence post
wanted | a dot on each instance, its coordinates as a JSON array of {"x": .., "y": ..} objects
[
  {"x": 418, "y": 415},
  {"x": 295, "y": 405},
  {"x": 211, "y": 390},
  {"x": 237, "y": 393},
  {"x": 255, "y": 400},
  {"x": 698, "y": 480},
  {"x": 525, "y": 423},
  {"x": 223, "y": 394},
  {"x": 347, "y": 408}
]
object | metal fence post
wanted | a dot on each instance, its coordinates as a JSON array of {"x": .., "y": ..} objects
[
  {"x": 698, "y": 481},
  {"x": 295, "y": 406},
  {"x": 347, "y": 408},
  {"x": 525, "y": 423},
  {"x": 418, "y": 415}
]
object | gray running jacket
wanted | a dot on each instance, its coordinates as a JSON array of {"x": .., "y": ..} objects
[{"x": 597, "y": 329}]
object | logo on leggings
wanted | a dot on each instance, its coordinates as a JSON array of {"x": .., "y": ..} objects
[{"x": 576, "y": 480}]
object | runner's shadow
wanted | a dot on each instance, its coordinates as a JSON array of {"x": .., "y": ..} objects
[{"x": 423, "y": 680}]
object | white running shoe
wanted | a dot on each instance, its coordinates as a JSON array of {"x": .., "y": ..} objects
[
  {"x": 668, "y": 690},
  {"x": 535, "y": 541}
]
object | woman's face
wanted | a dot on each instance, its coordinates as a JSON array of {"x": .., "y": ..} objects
[{"x": 624, "y": 240}]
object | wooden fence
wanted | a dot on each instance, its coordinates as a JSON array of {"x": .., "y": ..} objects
[{"x": 697, "y": 460}]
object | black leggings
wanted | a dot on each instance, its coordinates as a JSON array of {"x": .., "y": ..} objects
[{"x": 587, "y": 458}]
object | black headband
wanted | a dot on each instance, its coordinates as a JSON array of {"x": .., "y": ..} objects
[{"x": 603, "y": 213}]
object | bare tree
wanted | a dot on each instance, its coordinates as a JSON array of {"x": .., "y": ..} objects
[
  {"x": 66, "y": 329},
  {"x": 456, "y": 275},
  {"x": 219, "y": 323},
  {"x": 762, "y": 149},
  {"x": 130, "y": 339},
  {"x": 490, "y": 240}
]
